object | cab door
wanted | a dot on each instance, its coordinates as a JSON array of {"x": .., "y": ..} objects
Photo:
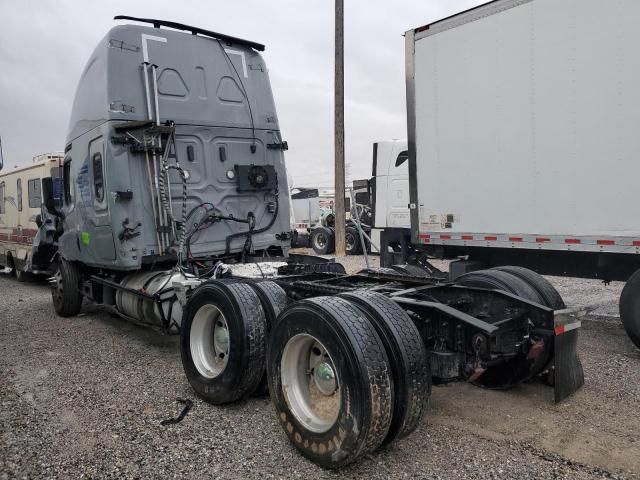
[
  {"x": 398, "y": 190},
  {"x": 101, "y": 239}
]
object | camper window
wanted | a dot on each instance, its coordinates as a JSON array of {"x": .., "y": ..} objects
[
  {"x": 34, "y": 191},
  {"x": 19, "y": 194},
  {"x": 98, "y": 177},
  {"x": 2, "y": 198}
]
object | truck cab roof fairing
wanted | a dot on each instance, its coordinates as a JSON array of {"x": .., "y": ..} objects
[
  {"x": 194, "y": 30},
  {"x": 201, "y": 81}
]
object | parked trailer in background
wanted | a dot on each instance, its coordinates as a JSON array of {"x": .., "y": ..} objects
[
  {"x": 20, "y": 217},
  {"x": 523, "y": 140}
]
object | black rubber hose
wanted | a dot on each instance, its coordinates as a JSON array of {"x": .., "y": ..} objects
[{"x": 251, "y": 232}]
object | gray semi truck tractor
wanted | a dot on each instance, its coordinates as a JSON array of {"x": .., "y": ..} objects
[
  {"x": 172, "y": 209},
  {"x": 173, "y": 161}
]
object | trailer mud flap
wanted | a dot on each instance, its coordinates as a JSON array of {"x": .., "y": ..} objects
[{"x": 568, "y": 374}]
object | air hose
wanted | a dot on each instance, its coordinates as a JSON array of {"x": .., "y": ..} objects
[
  {"x": 251, "y": 231},
  {"x": 163, "y": 180}
]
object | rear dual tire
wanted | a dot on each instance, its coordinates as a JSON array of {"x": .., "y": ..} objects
[
  {"x": 547, "y": 292},
  {"x": 408, "y": 360},
  {"x": 500, "y": 280},
  {"x": 346, "y": 375},
  {"x": 411, "y": 270},
  {"x": 273, "y": 300},
  {"x": 330, "y": 380},
  {"x": 630, "y": 308},
  {"x": 223, "y": 341},
  {"x": 528, "y": 285}
]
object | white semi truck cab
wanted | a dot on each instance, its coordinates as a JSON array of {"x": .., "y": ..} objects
[{"x": 389, "y": 187}]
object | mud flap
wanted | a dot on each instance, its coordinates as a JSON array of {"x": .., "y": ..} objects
[{"x": 568, "y": 374}]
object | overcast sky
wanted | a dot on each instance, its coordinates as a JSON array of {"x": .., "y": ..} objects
[{"x": 45, "y": 44}]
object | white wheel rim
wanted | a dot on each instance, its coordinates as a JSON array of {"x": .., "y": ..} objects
[
  {"x": 310, "y": 383},
  {"x": 350, "y": 241},
  {"x": 321, "y": 241},
  {"x": 57, "y": 287},
  {"x": 209, "y": 341}
]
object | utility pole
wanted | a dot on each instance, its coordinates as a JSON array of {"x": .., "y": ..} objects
[{"x": 339, "y": 131}]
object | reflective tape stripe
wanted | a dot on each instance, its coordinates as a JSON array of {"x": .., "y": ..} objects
[
  {"x": 560, "y": 329},
  {"x": 550, "y": 241}
]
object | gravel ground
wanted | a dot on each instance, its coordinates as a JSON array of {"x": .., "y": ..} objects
[{"x": 84, "y": 397}]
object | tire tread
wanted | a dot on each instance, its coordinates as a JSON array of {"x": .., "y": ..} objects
[
  {"x": 545, "y": 289},
  {"x": 408, "y": 357}
]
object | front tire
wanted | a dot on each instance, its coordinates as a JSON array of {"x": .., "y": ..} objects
[
  {"x": 65, "y": 291},
  {"x": 329, "y": 378}
]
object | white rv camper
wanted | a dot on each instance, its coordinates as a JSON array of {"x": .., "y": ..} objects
[{"x": 20, "y": 201}]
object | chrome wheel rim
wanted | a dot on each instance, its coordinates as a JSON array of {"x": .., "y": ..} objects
[
  {"x": 209, "y": 341},
  {"x": 57, "y": 288},
  {"x": 350, "y": 241},
  {"x": 310, "y": 383},
  {"x": 321, "y": 240}
]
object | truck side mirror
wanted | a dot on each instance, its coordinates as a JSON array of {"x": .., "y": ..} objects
[{"x": 47, "y": 195}]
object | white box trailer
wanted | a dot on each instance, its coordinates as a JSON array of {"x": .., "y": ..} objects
[{"x": 523, "y": 138}]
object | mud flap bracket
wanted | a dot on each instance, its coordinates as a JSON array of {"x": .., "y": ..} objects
[{"x": 568, "y": 374}]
